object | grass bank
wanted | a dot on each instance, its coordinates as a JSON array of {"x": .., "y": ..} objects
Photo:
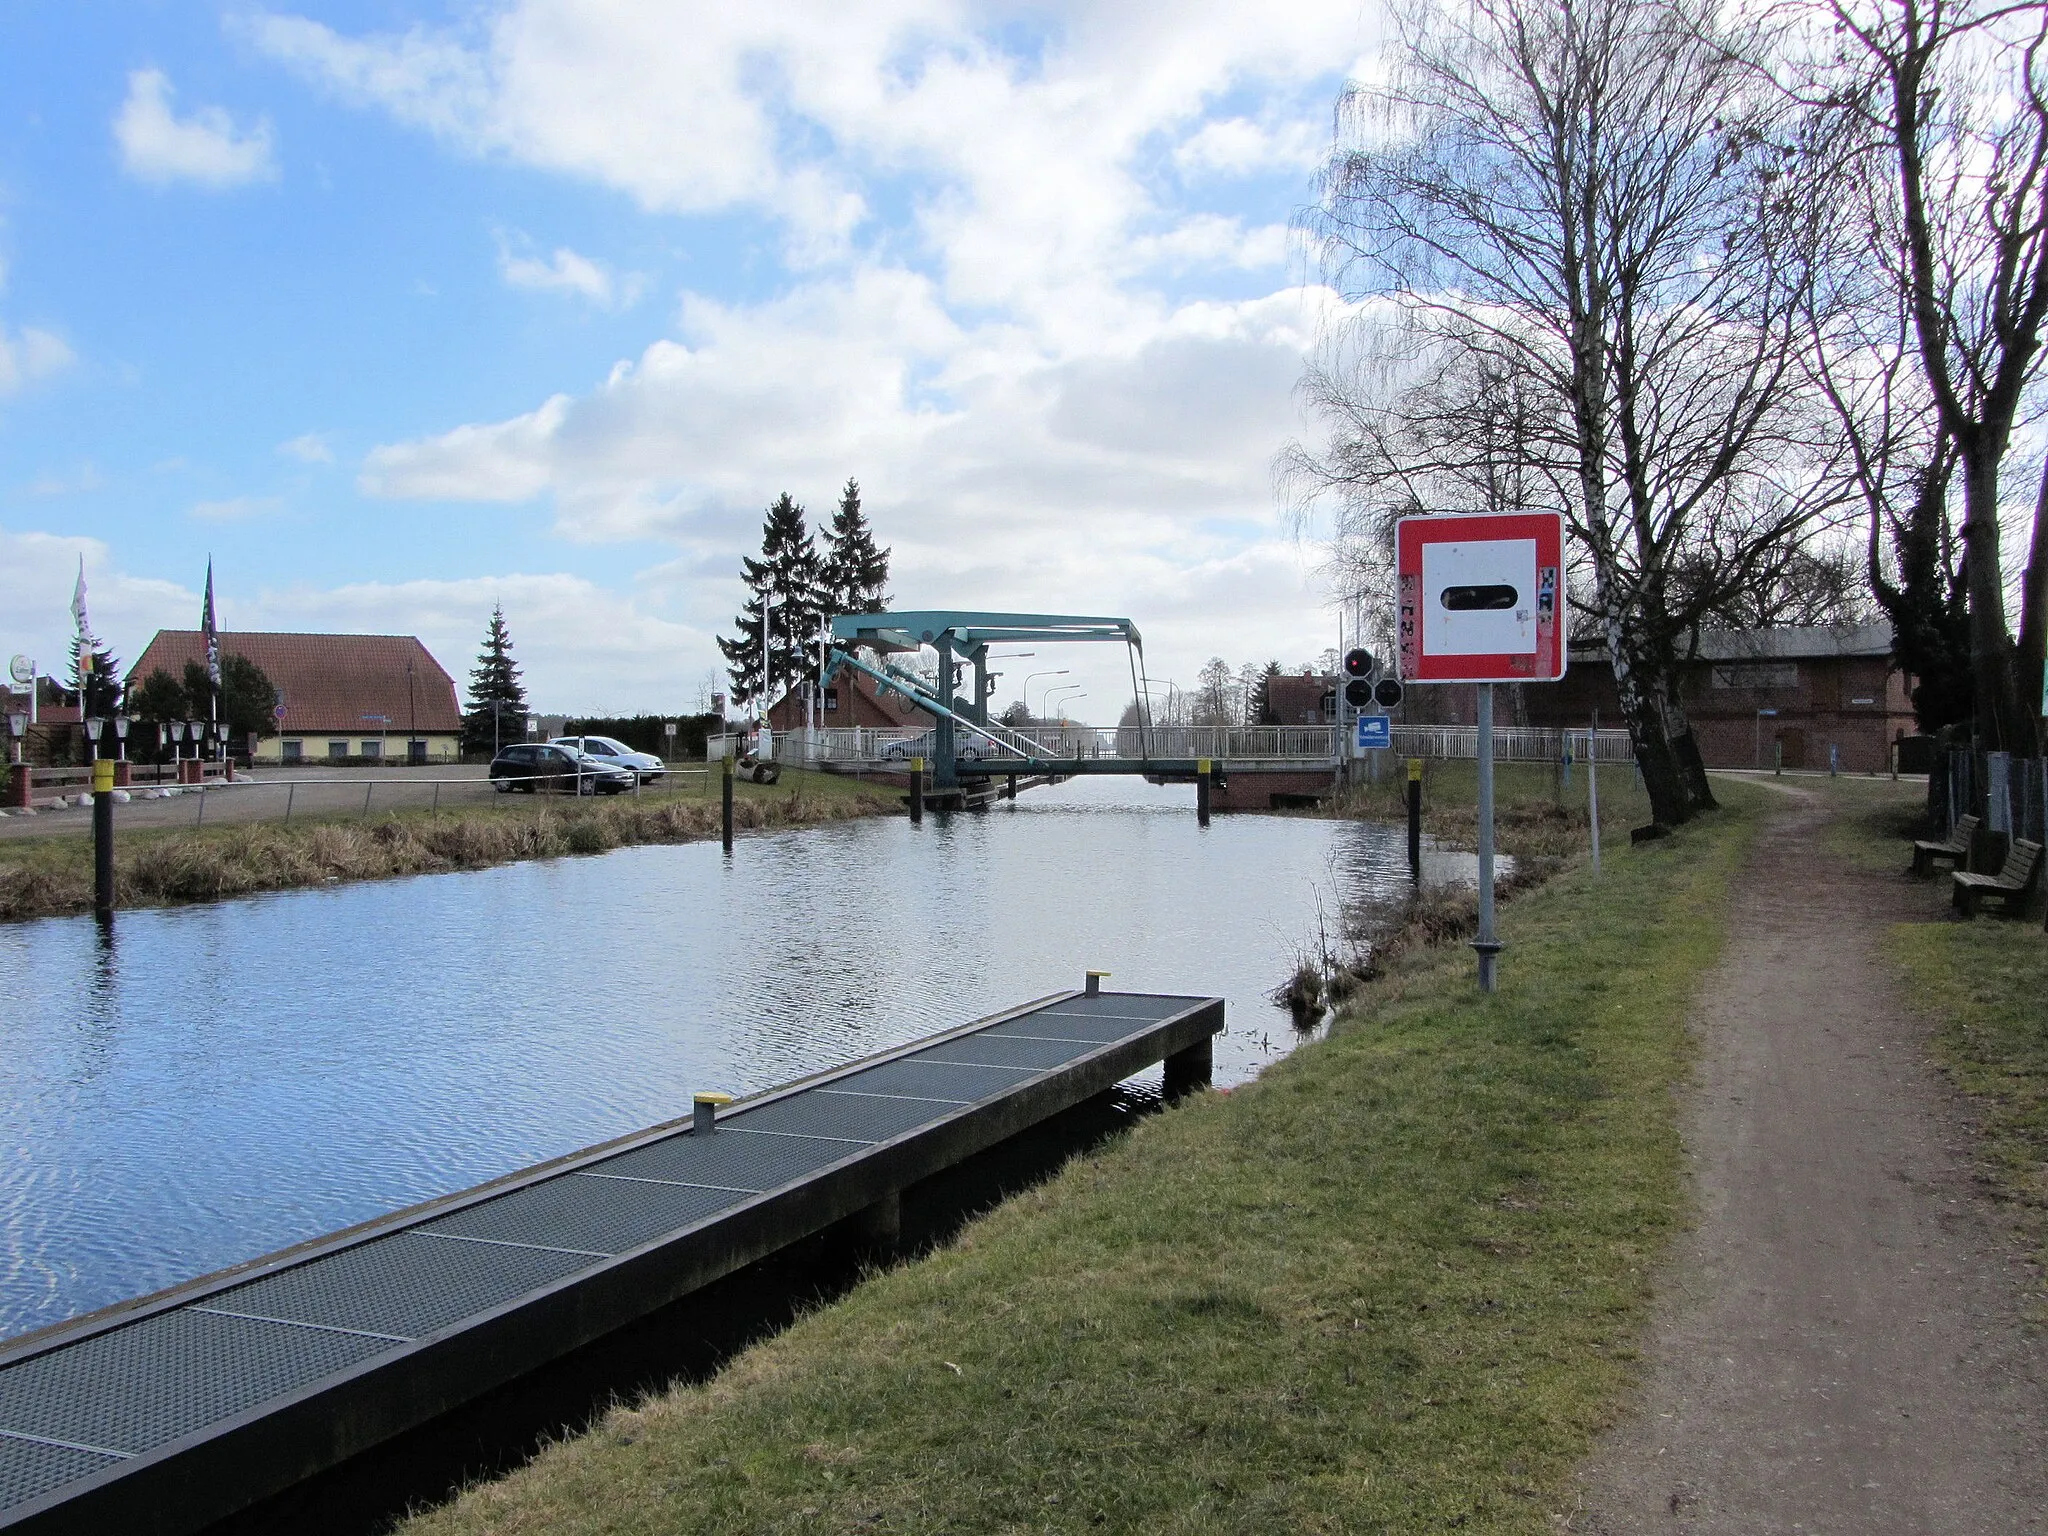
[
  {"x": 46, "y": 877},
  {"x": 1537, "y": 816},
  {"x": 1394, "y": 1284},
  {"x": 1985, "y": 985}
]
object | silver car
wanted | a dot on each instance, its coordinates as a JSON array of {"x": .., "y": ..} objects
[{"x": 644, "y": 766}]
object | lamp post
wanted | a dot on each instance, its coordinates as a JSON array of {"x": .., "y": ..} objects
[
  {"x": 1032, "y": 678},
  {"x": 17, "y": 779},
  {"x": 1074, "y": 688},
  {"x": 195, "y": 732},
  {"x": 93, "y": 726}
]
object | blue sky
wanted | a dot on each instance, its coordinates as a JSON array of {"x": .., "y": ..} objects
[{"x": 401, "y": 309}]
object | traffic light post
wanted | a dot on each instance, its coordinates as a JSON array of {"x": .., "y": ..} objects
[{"x": 1364, "y": 690}]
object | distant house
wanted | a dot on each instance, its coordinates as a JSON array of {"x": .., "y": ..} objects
[
  {"x": 343, "y": 697},
  {"x": 1754, "y": 695},
  {"x": 852, "y": 699},
  {"x": 1307, "y": 699}
]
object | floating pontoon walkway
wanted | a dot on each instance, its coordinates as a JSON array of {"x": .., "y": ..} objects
[{"x": 163, "y": 1415}]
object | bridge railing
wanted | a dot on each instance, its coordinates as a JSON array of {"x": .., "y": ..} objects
[{"x": 1511, "y": 744}]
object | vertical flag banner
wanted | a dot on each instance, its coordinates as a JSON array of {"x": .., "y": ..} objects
[
  {"x": 212, "y": 632},
  {"x": 78, "y": 603}
]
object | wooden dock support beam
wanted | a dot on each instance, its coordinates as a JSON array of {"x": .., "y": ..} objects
[
  {"x": 726, "y": 803},
  {"x": 1189, "y": 1070}
]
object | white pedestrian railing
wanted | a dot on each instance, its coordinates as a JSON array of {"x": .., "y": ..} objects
[
  {"x": 1222, "y": 743},
  {"x": 1512, "y": 744}
]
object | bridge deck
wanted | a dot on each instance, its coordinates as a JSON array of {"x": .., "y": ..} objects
[{"x": 165, "y": 1414}]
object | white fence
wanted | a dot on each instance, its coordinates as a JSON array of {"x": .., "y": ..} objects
[
  {"x": 1512, "y": 744},
  {"x": 1225, "y": 744}
]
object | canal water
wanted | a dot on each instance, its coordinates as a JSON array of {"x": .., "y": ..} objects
[{"x": 210, "y": 1083}]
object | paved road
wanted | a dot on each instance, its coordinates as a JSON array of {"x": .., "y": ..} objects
[
  {"x": 1843, "y": 1349},
  {"x": 270, "y": 792}
]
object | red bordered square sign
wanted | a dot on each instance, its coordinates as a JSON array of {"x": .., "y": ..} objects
[{"x": 1481, "y": 597}]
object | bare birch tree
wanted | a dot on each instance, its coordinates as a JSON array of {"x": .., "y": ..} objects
[
  {"x": 1579, "y": 210},
  {"x": 1950, "y": 106}
]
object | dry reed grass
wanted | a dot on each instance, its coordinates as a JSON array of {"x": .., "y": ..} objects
[{"x": 167, "y": 869}]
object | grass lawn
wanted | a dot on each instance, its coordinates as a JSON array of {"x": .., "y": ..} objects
[
  {"x": 43, "y": 876},
  {"x": 1394, "y": 1284}
]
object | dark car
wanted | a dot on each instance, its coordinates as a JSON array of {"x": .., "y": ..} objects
[{"x": 537, "y": 766}]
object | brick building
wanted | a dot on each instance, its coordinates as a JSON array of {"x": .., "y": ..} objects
[
  {"x": 1750, "y": 693},
  {"x": 375, "y": 698}
]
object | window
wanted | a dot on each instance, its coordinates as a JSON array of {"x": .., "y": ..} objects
[
  {"x": 416, "y": 751},
  {"x": 372, "y": 749},
  {"x": 337, "y": 750},
  {"x": 831, "y": 700},
  {"x": 291, "y": 751}
]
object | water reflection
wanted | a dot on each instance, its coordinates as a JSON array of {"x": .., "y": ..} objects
[{"x": 234, "y": 1077}]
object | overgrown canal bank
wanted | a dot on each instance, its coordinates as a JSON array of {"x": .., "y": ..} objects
[
  {"x": 47, "y": 877},
  {"x": 1394, "y": 1283}
]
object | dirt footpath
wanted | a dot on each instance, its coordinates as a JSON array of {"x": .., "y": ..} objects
[{"x": 1841, "y": 1348}]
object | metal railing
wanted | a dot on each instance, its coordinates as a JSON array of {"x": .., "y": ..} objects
[
  {"x": 1223, "y": 743},
  {"x": 1513, "y": 744}
]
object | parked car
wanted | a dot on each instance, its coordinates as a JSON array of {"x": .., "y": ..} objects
[
  {"x": 616, "y": 753},
  {"x": 967, "y": 747},
  {"x": 537, "y": 766}
]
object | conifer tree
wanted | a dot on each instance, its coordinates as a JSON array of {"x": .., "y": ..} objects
[
  {"x": 856, "y": 572},
  {"x": 789, "y": 568},
  {"x": 497, "y": 699},
  {"x": 1260, "y": 711},
  {"x": 98, "y": 687}
]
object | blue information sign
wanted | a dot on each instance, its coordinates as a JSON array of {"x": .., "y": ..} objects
[{"x": 1374, "y": 731}]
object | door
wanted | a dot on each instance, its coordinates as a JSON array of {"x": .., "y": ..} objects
[{"x": 1792, "y": 744}]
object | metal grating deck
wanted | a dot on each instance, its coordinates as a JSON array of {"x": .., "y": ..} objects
[{"x": 168, "y": 1413}]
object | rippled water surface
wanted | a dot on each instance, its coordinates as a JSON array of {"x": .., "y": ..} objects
[{"x": 215, "y": 1082}]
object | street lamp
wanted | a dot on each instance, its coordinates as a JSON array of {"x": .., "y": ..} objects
[
  {"x": 93, "y": 726},
  {"x": 17, "y": 727},
  {"x": 1062, "y": 672},
  {"x": 1073, "y": 688},
  {"x": 121, "y": 724}
]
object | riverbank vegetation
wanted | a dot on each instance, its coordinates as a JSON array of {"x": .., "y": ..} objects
[
  {"x": 44, "y": 877},
  {"x": 1393, "y": 1284}
]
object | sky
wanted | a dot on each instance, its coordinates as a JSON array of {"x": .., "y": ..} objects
[{"x": 396, "y": 310}]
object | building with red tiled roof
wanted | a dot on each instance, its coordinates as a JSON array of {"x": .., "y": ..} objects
[{"x": 343, "y": 696}]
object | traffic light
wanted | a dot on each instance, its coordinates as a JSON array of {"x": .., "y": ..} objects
[
  {"x": 1386, "y": 693},
  {"x": 1358, "y": 662},
  {"x": 1358, "y": 693}
]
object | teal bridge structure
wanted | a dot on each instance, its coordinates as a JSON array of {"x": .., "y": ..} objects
[{"x": 968, "y": 746}]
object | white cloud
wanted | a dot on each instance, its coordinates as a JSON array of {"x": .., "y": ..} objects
[
  {"x": 1237, "y": 146},
  {"x": 237, "y": 509},
  {"x": 308, "y": 448},
  {"x": 568, "y": 271},
  {"x": 28, "y": 355},
  {"x": 37, "y": 570},
  {"x": 50, "y": 483},
  {"x": 206, "y": 148}
]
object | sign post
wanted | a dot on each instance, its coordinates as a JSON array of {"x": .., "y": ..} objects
[{"x": 1478, "y": 602}]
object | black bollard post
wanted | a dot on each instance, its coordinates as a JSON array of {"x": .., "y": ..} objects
[
  {"x": 103, "y": 838},
  {"x": 917, "y": 789},
  {"x": 727, "y": 797},
  {"x": 1415, "y": 819},
  {"x": 1011, "y": 793},
  {"x": 1204, "y": 778}
]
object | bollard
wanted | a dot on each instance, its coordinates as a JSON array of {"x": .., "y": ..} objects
[
  {"x": 704, "y": 1109},
  {"x": 1011, "y": 792},
  {"x": 917, "y": 789},
  {"x": 1093, "y": 987},
  {"x": 1204, "y": 777},
  {"x": 103, "y": 839},
  {"x": 726, "y": 802},
  {"x": 1415, "y": 819}
]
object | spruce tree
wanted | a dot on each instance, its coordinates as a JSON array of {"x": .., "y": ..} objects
[
  {"x": 1260, "y": 710},
  {"x": 789, "y": 567},
  {"x": 497, "y": 700},
  {"x": 99, "y": 687},
  {"x": 856, "y": 573}
]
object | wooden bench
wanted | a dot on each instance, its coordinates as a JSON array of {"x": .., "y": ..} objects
[
  {"x": 1956, "y": 848},
  {"x": 2011, "y": 886}
]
